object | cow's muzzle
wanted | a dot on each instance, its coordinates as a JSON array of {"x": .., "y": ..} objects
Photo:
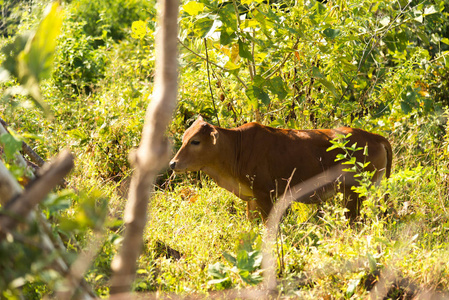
[{"x": 172, "y": 165}]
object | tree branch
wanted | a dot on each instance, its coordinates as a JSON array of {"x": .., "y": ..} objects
[
  {"x": 153, "y": 152},
  {"x": 281, "y": 64},
  {"x": 210, "y": 87},
  {"x": 20, "y": 207}
]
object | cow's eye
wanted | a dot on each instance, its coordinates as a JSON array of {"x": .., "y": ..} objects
[{"x": 195, "y": 142}]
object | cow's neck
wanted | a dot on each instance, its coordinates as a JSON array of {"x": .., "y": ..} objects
[
  {"x": 224, "y": 164},
  {"x": 226, "y": 169}
]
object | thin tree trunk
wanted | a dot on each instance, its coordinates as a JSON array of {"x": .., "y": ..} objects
[{"x": 153, "y": 152}]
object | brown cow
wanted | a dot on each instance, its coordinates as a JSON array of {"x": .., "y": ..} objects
[{"x": 255, "y": 162}]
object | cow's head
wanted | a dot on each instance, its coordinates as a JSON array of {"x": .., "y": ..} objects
[{"x": 198, "y": 147}]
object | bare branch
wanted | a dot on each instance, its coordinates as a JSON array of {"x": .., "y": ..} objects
[
  {"x": 153, "y": 152},
  {"x": 9, "y": 187},
  {"x": 22, "y": 205},
  {"x": 74, "y": 277},
  {"x": 21, "y": 208},
  {"x": 277, "y": 68},
  {"x": 299, "y": 193},
  {"x": 210, "y": 86}
]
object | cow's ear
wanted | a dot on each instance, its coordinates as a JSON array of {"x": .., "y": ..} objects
[{"x": 214, "y": 135}]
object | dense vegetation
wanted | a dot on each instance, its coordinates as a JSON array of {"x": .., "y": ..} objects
[{"x": 378, "y": 65}]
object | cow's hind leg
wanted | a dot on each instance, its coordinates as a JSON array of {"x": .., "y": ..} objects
[
  {"x": 252, "y": 210},
  {"x": 259, "y": 207}
]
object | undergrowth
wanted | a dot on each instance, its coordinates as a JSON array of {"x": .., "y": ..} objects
[{"x": 198, "y": 238}]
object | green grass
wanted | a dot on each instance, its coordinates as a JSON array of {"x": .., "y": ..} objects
[
  {"x": 319, "y": 254},
  {"x": 319, "y": 257}
]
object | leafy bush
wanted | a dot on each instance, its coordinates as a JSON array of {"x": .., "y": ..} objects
[
  {"x": 80, "y": 64},
  {"x": 110, "y": 17},
  {"x": 381, "y": 66}
]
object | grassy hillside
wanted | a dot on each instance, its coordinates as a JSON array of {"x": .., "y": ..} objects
[{"x": 378, "y": 66}]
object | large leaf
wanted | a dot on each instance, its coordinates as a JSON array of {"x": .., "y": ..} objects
[
  {"x": 37, "y": 58},
  {"x": 277, "y": 86},
  {"x": 225, "y": 37},
  {"x": 10, "y": 145},
  {"x": 203, "y": 26},
  {"x": 331, "y": 33},
  {"x": 30, "y": 57},
  {"x": 328, "y": 85},
  {"x": 218, "y": 271},
  {"x": 255, "y": 94},
  {"x": 231, "y": 259},
  {"x": 227, "y": 16},
  {"x": 244, "y": 51},
  {"x": 193, "y": 8},
  {"x": 250, "y": 278}
]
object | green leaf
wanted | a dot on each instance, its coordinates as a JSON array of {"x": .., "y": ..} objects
[
  {"x": 277, "y": 87},
  {"x": 226, "y": 38},
  {"x": 331, "y": 33},
  {"x": 59, "y": 201},
  {"x": 244, "y": 51},
  {"x": 243, "y": 261},
  {"x": 372, "y": 262},
  {"x": 218, "y": 271},
  {"x": 259, "y": 81},
  {"x": 90, "y": 213},
  {"x": 352, "y": 285},
  {"x": 255, "y": 94},
  {"x": 264, "y": 22},
  {"x": 30, "y": 57},
  {"x": 11, "y": 145},
  {"x": 38, "y": 53},
  {"x": 423, "y": 36},
  {"x": 231, "y": 259},
  {"x": 328, "y": 85},
  {"x": 445, "y": 40},
  {"x": 408, "y": 100},
  {"x": 193, "y": 8},
  {"x": 203, "y": 26},
  {"x": 228, "y": 18},
  {"x": 250, "y": 278},
  {"x": 316, "y": 72},
  {"x": 256, "y": 256}
]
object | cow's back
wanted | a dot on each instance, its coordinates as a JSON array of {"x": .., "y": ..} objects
[{"x": 272, "y": 157}]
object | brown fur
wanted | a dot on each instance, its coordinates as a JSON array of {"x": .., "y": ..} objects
[{"x": 255, "y": 162}]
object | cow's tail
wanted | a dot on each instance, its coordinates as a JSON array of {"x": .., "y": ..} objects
[{"x": 389, "y": 151}]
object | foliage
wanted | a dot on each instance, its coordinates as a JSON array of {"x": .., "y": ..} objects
[
  {"x": 110, "y": 18},
  {"x": 377, "y": 65},
  {"x": 246, "y": 264},
  {"x": 30, "y": 57}
]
